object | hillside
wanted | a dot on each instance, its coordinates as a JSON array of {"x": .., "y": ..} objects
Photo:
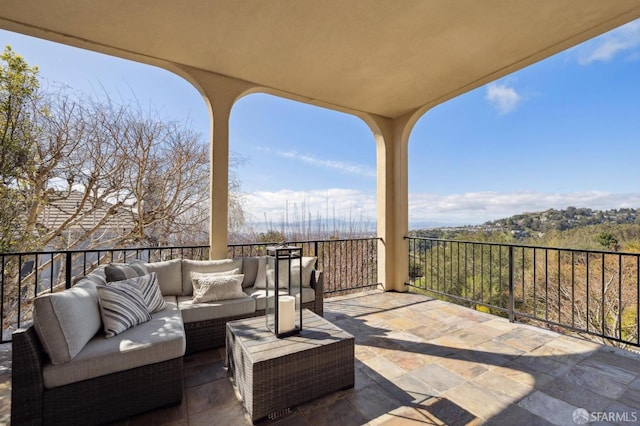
[
  {"x": 562, "y": 220},
  {"x": 583, "y": 228}
]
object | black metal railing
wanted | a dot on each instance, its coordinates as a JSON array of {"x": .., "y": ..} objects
[
  {"x": 586, "y": 291},
  {"x": 26, "y": 275},
  {"x": 348, "y": 265}
]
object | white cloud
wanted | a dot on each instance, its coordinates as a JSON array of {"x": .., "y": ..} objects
[
  {"x": 479, "y": 207},
  {"x": 453, "y": 209},
  {"x": 606, "y": 47},
  {"x": 503, "y": 98},
  {"x": 344, "y": 167}
]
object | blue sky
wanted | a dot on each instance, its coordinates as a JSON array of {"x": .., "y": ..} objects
[{"x": 565, "y": 131}]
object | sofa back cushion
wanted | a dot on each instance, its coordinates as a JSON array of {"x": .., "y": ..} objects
[
  {"x": 169, "y": 273},
  {"x": 251, "y": 266},
  {"x": 97, "y": 276},
  {"x": 67, "y": 320},
  {"x": 205, "y": 266},
  {"x": 308, "y": 266},
  {"x": 124, "y": 271}
]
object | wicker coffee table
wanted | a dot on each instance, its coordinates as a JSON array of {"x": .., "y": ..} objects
[{"x": 273, "y": 375}]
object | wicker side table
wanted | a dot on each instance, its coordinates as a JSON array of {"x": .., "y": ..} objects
[{"x": 273, "y": 375}]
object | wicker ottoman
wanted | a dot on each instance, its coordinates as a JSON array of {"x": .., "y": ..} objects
[{"x": 273, "y": 375}]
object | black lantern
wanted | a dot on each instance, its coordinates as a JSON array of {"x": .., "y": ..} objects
[{"x": 284, "y": 290}]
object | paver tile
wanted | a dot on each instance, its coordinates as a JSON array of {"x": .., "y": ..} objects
[
  {"x": 476, "y": 399},
  {"x": 551, "y": 409},
  {"x": 425, "y": 362}
]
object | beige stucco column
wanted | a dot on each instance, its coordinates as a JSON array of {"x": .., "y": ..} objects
[
  {"x": 392, "y": 139},
  {"x": 220, "y": 93}
]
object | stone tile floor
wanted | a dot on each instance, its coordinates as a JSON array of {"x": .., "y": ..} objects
[{"x": 424, "y": 361}]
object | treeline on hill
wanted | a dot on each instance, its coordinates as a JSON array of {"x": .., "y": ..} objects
[{"x": 577, "y": 228}]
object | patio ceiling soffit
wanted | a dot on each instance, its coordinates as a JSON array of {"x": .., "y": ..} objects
[{"x": 381, "y": 57}]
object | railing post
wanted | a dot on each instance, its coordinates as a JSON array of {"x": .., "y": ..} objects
[
  {"x": 511, "y": 295},
  {"x": 67, "y": 269}
]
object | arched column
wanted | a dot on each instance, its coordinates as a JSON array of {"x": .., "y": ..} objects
[
  {"x": 220, "y": 93},
  {"x": 392, "y": 140}
]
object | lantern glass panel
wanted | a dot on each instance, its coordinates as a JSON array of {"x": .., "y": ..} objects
[{"x": 283, "y": 290}]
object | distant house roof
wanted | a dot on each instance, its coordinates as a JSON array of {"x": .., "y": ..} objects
[{"x": 56, "y": 213}]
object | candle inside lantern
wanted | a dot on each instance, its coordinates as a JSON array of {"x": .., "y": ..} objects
[{"x": 286, "y": 313}]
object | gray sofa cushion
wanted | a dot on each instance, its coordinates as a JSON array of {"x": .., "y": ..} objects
[
  {"x": 250, "y": 269},
  {"x": 158, "y": 340},
  {"x": 194, "y": 312},
  {"x": 169, "y": 274},
  {"x": 222, "y": 265},
  {"x": 97, "y": 276},
  {"x": 308, "y": 266},
  {"x": 308, "y": 295},
  {"x": 171, "y": 299},
  {"x": 123, "y": 271},
  {"x": 67, "y": 320}
]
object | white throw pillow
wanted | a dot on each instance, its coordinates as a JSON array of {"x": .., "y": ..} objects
[
  {"x": 283, "y": 281},
  {"x": 308, "y": 265},
  {"x": 195, "y": 277},
  {"x": 206, "y": 266},
  {"x": 214, "y": 287}
]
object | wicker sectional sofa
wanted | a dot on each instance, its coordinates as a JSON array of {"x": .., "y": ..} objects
[{"x": 64, "y": 370}]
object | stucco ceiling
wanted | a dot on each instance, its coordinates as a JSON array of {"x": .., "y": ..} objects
[{"x": 385, "y": 57}]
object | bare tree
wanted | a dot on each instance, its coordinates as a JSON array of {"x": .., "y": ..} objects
[{"x": 86, "y": 173}]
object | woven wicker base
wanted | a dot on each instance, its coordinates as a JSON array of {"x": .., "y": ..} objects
[
  {"x": 115, "y": 396},
  {"x": 274, "y": 374},
  {"x": 210, "y": 334},
  {"x": 94, "y": 401}
]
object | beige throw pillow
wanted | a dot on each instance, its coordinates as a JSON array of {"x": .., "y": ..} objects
[
  {"x": 205, "y": 266},
  {"x": 196, "y": 276},
  {"x": 214, "y": 287}
]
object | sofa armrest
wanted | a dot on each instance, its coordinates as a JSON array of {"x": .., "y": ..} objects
[
  {"x": 27, "y": 388},
  {"x": 317, "y": 283}
]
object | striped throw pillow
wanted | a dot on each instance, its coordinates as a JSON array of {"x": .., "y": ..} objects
[
  {"x": 150, "y": 292},
  {"x": 122, "y": 306}
]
